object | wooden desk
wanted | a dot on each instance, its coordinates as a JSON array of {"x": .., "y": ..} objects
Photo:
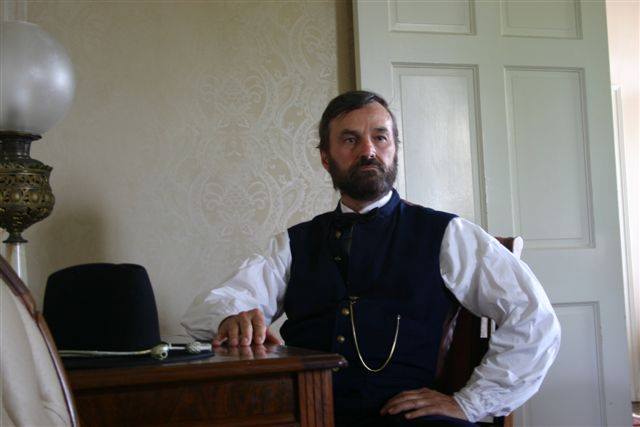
[{"x": 266, "y": 386}]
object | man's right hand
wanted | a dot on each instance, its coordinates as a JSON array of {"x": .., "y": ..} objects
[{"x": 245, "y": 328}]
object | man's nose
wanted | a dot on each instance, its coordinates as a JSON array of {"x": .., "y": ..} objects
[{"x": 368, "y": 149}]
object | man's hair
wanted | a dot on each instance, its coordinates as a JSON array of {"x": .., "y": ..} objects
[{"x": 345, "y": 103}]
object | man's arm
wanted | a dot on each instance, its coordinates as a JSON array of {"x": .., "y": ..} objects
[
  {"x": 251, "y": 296},
  {"x": 489, "y": 281}
]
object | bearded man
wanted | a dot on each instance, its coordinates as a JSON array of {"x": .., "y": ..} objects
[{"x": 376, "y": 279}]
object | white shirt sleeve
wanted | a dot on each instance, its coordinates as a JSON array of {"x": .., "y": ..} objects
[
  {"x": 260, "y": 282},
  {"x": 489, "y": 281}
]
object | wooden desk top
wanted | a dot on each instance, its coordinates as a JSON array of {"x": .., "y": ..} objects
[
  {"x": 226, "y": 362},
  {"x": 246, "y": 386}
]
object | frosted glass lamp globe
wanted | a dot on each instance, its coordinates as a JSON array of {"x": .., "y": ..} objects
[{"x": 37, "y": 80}]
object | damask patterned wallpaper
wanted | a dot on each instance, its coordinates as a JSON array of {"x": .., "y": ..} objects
[{"x": 191, "y": 138}]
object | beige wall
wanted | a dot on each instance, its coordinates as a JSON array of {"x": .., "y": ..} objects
[
  {"x": 623, "y": 19},
  {"x": 191, "y": 137}
]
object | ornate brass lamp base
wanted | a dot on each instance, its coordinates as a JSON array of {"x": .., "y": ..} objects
[{"x": 25, "y": 193}]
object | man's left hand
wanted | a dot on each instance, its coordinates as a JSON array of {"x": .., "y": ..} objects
[{"x": 421, "y": 402}]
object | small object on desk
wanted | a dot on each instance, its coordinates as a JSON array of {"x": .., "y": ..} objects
[
  {"x": 158, "y": 352},
  {"x": 193, "y": 347}
]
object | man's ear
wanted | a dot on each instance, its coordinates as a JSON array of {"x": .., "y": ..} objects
[{"x": 324, "y": 158}]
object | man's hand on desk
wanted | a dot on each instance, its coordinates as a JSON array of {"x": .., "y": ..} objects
[
  {"x": 421, "y": 402},
  {"x": 245, "y": 328}
]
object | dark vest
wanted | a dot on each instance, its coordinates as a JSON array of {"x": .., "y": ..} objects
[{"x": 393, "y": 269}]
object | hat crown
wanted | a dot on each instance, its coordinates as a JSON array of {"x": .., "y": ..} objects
[{"x": 108, "y": 307}]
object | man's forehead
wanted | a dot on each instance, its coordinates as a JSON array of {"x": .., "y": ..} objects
[{"x": 373, "y": 115}]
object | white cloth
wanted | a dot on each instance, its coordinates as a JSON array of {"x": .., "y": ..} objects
[{"x": 483, "y": 275}]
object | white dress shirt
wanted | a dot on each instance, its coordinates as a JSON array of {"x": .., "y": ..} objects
[{"x": 481, "y": 273}]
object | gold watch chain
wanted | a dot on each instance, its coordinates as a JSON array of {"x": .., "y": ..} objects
[{"x": 355, "y": 341}]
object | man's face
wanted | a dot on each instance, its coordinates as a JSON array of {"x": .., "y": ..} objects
[{"x": 362, "y": 158}]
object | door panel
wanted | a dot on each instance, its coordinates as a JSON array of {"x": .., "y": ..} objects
[
  {"x": 541, "y": 19},
  {"x": 442, "y": 170},
  {"x": 547, "y": 138},
  {"x": 584, "y": 375},
  {"x": 432, "y": 17}
]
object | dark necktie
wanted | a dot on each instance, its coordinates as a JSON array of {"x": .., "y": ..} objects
[{"x": 342, "y": 221}]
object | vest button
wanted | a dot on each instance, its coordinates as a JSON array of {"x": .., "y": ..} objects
[
  {"x": 345, "y": 311},
  {"x": 335, "y": 369},
  {"x": 338, "y": 234},
  {"x": 340, "y": 339},
  {"x": 337, "y": 258}
]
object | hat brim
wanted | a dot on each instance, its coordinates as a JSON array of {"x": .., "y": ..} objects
[{"x": 175, "y": 356}]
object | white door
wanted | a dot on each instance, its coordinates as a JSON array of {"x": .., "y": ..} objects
[{"x": 505, "y": 118}]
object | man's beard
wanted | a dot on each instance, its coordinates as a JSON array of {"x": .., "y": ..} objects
[{"x": 366, "y": 185}]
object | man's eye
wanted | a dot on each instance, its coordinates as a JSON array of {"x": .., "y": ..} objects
[
  {"x": 382, "y": 138},
  {"x": 350, "y": 140}
]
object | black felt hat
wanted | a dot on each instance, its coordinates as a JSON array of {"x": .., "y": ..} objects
[{"x": 104, "y": 307}]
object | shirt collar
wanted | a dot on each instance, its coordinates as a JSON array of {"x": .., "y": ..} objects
[{"x": 377, "y": 204}]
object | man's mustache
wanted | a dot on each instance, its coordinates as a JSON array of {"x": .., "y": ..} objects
[{"x": 367, "y": 161}]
